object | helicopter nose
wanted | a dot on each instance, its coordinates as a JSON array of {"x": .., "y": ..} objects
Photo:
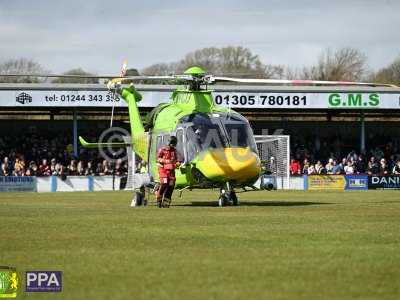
[{"x": 229, "y": 164}]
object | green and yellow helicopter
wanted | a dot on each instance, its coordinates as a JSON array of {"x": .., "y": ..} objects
[{"x": 216, "y": 145}]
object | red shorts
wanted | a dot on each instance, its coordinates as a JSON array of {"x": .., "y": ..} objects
[{"x": 166, "y": 173}]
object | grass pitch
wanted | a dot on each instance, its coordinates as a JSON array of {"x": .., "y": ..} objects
[{"x": 276, "y": 245}]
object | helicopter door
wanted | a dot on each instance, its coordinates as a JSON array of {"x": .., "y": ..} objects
[
  {"x": 181, "y": 146},
  {"x": 163, "y": 139},
  {"x": 160, "y": 141}
]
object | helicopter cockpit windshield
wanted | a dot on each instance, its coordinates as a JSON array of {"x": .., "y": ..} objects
[
  {"x": 239, "y": 133},
  {"x": 205, "y": 132}
]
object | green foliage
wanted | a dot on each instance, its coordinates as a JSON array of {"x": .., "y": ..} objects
[
  {"x": 234, "y": 61},
  {"x": 132, "y": 72},
  {"x": 389, "y": 74},
  {"x": 77, "y": 71},
  {"x": 346, "y": 64},
  {"x": 276, "y": 245},
  {"x": 21, "y": 66},
  {"x": 160, "y": 69}
]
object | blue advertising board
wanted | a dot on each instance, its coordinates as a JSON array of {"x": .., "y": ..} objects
[
  {"x": 356, "y": 182},
  {"x": 17, "y": 184}
]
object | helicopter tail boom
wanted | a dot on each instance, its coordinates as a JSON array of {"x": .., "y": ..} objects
[{"x": 139, "y": 137}]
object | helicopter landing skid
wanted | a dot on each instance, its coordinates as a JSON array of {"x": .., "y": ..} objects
[{"x": 227, "y": 196}]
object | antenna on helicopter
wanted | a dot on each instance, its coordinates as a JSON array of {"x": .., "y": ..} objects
[{"x": 114, "y": 95}]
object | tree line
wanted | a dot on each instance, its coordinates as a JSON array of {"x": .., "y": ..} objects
[{"x": 347, "y": 64}]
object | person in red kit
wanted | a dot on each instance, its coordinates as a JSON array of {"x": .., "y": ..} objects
[
  {"x": 167, "y": 162},
  {"x": 44, "y": 168},
  {"x": 295, "y": 168}
]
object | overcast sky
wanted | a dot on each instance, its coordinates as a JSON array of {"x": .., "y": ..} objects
[{"x": 98, "y": 35}]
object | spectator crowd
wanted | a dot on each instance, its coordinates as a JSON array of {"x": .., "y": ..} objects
[
  {"x": 355, "y": 164},
  {"x": 330, "y": 157},
  {"x": 39, "y": 155},
  {"x": 31, "y": 154}
]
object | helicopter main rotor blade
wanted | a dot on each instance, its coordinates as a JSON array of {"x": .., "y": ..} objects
[
  {"x": 116, "y": 82},
  {"x": 208, "y": 79},
  {"x": 132, "y": 78},
  {"x": 59, "y": 76},
  {"x": 215, "y": 79},
  {"x": 127, "y": 79},
  {"x": 163, "y": 77}
]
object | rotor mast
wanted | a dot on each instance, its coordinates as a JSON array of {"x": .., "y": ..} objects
[{"x": 197, "y": 74}]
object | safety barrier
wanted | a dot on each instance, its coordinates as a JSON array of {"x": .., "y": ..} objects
[
  {"x": 108, "y": 183},
  {"x": 351, "y": 182},
  {"x": 331, "y": 182}
]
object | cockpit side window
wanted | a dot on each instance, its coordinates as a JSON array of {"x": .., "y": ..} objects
[
  {"x": 206, "y": 136},
  {"x": 202, "y": 133}
]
